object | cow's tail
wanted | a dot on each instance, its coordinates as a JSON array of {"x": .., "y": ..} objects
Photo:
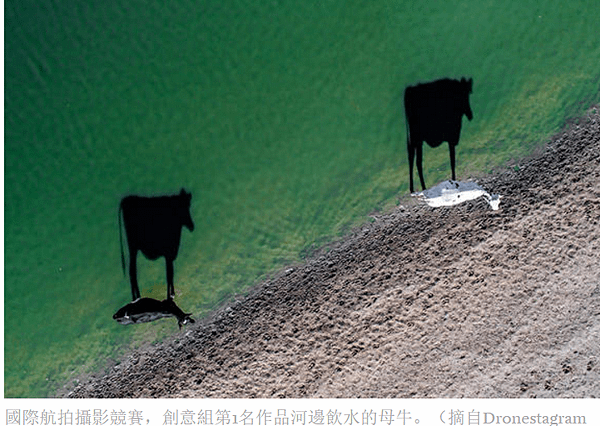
[{"x": 121, "y": 237}]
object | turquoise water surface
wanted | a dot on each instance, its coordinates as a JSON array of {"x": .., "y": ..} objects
[{"x": 283, "y": 118}]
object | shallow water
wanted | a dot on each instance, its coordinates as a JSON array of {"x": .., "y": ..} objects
[{"x": 284, "y": 120}]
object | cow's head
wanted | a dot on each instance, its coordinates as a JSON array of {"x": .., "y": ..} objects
[
  {"x": 185, "y": 200},
  {"x": 467, "y": 86}
]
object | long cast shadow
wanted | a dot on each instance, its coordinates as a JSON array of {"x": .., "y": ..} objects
[
  {"x": 153, "y": 226},
  {"x": 434, "y": 113}
]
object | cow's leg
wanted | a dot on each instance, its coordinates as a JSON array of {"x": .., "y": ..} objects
[
  {"x": 411, "y": 159},
  {"x": 135, "y": 290},
  {"x": 420, "y": 164},
  {"x": 452, "y": 160},
  {"x": 170, "y": 286}
]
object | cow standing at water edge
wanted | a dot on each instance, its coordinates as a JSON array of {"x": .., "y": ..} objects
[
  {"x": 434, "y": 114},
  {"x": 153, "y": 226}
]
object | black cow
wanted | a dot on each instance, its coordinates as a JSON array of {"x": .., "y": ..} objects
[
  {"x": 434, "y": 114},
  {"x": 146, "y": 310},
  {"x": 153, "y": 226}
]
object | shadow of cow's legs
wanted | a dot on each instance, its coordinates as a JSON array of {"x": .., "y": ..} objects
[{"x": 170, "y": 274}]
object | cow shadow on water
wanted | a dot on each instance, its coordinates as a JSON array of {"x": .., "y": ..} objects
[
  {"x": 153, "y": 226},
  {"x": 434, "y": 113}
]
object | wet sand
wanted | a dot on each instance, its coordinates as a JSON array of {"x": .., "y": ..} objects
[{"x": 423, "y": 302}]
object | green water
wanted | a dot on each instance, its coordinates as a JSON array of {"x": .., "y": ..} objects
[{"x": 283, "y": 118}]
